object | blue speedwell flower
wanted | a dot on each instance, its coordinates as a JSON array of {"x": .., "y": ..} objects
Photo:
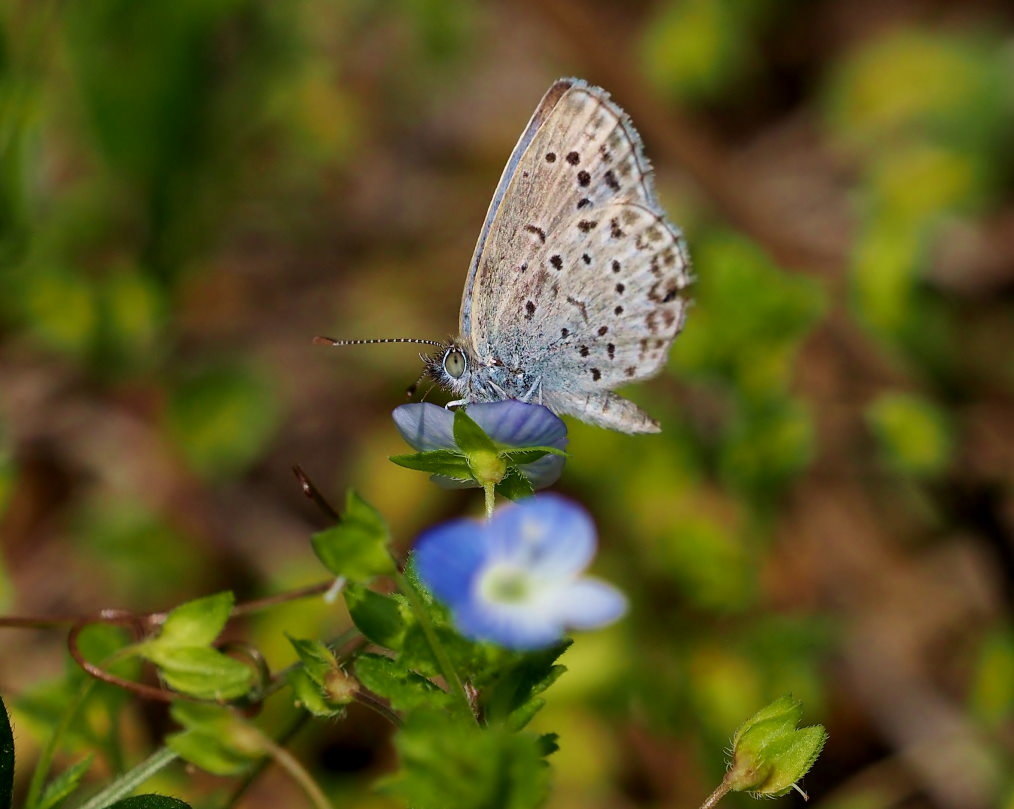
[
  {"x": 515, "y": 579},
  {"x": 510, "y": 423}
]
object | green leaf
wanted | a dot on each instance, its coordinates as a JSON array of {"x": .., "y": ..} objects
[
  {"x": 6, "y": 759},
  {"x": 469, "y": 436},
  {"x": 404, "y": 689},
  {"x": 64, "y": 784},
  {"x": 200, "y": 671},
  {"x": 769, "y": 754},
  {"x": 379, "y": 617},
  {"x": 512, "y": 698},
  {"x": 514, "y": 486},
  {"x": 320, "y": 685},
  {"x": 445, "y": 462},
  {"x": 356, "y": 548},
  {"x": 450, "y": 765},
  {"x": 150, "y": 802},
  {"x": 196, "y": 623},
  {"x": 215, "y": 739}
]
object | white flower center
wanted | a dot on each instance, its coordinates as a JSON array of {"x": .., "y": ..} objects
[{"x": 505, "y": 584}]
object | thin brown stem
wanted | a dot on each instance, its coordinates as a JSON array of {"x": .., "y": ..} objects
[
  {"x": 311, "y": 491},
  {"x": 716, "y": 796}
]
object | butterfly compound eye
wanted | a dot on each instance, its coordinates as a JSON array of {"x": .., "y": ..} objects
[{"x": 455, "y": 363}]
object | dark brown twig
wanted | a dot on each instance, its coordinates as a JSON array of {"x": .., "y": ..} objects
[{"x": 313, "y": 493}]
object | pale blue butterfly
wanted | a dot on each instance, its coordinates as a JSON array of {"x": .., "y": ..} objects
[{"x": 576, "y": 284}]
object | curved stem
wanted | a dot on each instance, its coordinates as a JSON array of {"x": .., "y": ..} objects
[
  {"x": 291, "y": 765},
  {"x": 131, "y": 780}
]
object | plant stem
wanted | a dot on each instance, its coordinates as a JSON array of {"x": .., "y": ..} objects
[
  {"x": 716, "y": 796},
  {"x": 443, "y": 661},
  {"x": 490, "y": 491},
  {"x": 291, "y": 765},
  {"x": 131, "y": 780}
]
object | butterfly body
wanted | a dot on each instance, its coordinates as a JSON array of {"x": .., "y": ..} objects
[{"x": 576, "y": 284}]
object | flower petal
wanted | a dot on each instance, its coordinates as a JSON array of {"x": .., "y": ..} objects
[
  {"x": 543, "y": 472},
  {"x": 519, "y": 424},
  {"x": 519, "y": 626},
  {"x": 425, "y": 426},
  {"x": 586, "y": 604},
  {"x": 547, "y": 534},
  {"x": 449, "y": 557}
]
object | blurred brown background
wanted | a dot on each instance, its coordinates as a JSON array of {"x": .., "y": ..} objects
[{"x": 191, "y": 189}]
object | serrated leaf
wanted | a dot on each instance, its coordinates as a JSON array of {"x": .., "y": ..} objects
[
  {"x": 512, "y": 697},
  {"x": 449, "y": 765},
  {"x": 404, "y": 689},
  {"x": 356, "y": 547},
  {"x": 200, "y": 671},
  {"x": 514, "y": 486},
  {"x": 6, "y": 758},
  {"x": 196, "y": 623},
  {"x": 469, "y": 436},
  {"x": 316, "y": 658},
  {"x": 379, "y": 617},
  {"x": 150, "y": 802},
  {"x": 64, "y": 784},
  {"x": 446, "y": 462}
]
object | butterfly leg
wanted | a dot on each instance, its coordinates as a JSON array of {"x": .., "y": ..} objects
[
  {"x": 536, "y": 386},
  {"x": 456, "y": 403},
  {"x": 500, "y": 391}
]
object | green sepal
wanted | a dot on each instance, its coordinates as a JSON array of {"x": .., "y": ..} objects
[
  {"x": 6, "y": 759},
  {"x": 404, "y": 689},
  {"x": 769, "y": 754},
  {"x": 316, "y": 658},
  {"x": 320, "y": 685},
  {"x": 214, "y": 739},
  {"x": 64, "y": 784},
  {"x": 150, "y": 802},
  {"x": 470, "y": 437},
  {"x": 313, "y": 696},
  {"x": 549, "y": 743},
  {"x": 200, "y": 671},
  {"x": 512, "y": 699},
  {"x": 523, "y": 455},
  {"x": 357, "y": 547},
  {"x": 381, "y": 618},
  {"x": 444, "y": 462},
  {"x": 197, "y": 622},
  {"x": 515, "y": 486}
]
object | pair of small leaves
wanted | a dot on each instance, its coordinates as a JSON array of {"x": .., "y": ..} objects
[
  {"x": 320, "y": 685},
  {"x": 185, "y": 657},
  {"x": 769, "y": 755},
  {"x": 479, "y": 459},
  {"x": 357, "y": 547}
]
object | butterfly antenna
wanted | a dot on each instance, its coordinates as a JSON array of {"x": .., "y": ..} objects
[
  {"x": 330, "y": 341},
  {"x": 410, "y": 391}
]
